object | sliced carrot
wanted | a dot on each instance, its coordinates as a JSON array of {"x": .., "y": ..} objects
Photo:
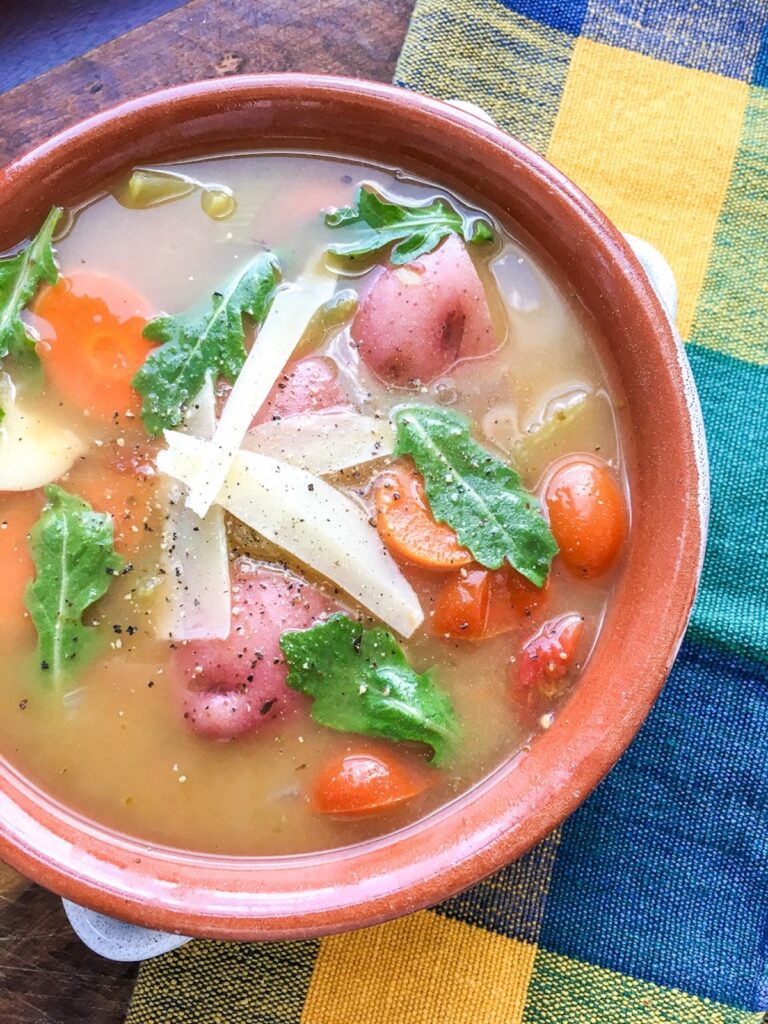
[
  {"x": 91, "y": 342},
  {"x": 477, "y": 603},
  {"x": 18, "y": 514},
  {"x": 123, "y": 486},
  {"x": 365, "y": 783},
  {"x": 407, "y": 526}
]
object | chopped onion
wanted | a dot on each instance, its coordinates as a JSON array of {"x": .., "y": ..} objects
[
  {"x": 323, "y": 442},
  {"x": 279, "y": 335},
  {"x": 314, "y": 521},
  {"x": 34, "y": 450},
  {"x": 195, "y": 552}
]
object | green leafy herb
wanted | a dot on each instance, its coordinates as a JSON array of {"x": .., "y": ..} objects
[
  {"x": 73, "y": 551},
  {"x": 148, "y": 187},
  {"x": 361, "y": 682},
  {"x": 481, "y": 498},
  {"x": 197, "y": 345},
  {"x": 375, "y": 223},
  {"x": 20, "y": 277}
]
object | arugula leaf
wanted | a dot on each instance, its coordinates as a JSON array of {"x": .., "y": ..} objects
[
  {"x": 478, "y": 496},
  {"x": 20, "y": 277},
  {"x": 198, "y": 346},
  {"x": 73, "y": 551},
  {"x": 361, "y": 682},
  {"x": 418, "y": 229}
]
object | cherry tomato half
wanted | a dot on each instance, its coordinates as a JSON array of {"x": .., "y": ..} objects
[
  {"x": 587, "y": 515},
  {"x": 477, "y": 603},
  {"x": 365, "y": 783},
  {"x": 550, "y": 653}
]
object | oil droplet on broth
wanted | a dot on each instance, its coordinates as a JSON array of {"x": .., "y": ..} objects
[
  {"x": 218, "y": 202},
  {"x": 147, "y": 187}
]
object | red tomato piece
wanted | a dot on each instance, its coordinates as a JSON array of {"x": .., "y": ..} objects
[
  {"x": 478, "y": 603},
  {"x": 91, "y": 341},
  {"x": 514, "y": 600},
  {"x": 461, "y": 611},
  {"x": 549, "y": 655},
  {"x": 587, "y": 515},
  {"x": 417, "y": 321},
  {"x": 226, "y": 688},
  {"x": 365, "y": 783}
]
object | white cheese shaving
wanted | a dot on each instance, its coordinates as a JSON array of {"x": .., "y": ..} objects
[
  {"x": 278, "y": 336},
  {"x": 195, "y": 553},
  {"x": 309, "y": 518},
  {"x": 322, "y": 442}
]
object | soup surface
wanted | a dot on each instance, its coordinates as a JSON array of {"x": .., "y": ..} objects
[{"x": 372, "y": 614}]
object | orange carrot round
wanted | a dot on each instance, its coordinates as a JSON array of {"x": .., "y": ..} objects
[
  {"x": 91, "y": 342},
  {"x": 18, "y": 514},
  {"x": 408, "y": 527}
]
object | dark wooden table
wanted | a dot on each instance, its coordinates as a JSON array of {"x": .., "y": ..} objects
[{"x": 46, "y": 975}]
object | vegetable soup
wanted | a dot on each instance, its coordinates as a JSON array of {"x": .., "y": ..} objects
[{"x": 312, "y": 497}]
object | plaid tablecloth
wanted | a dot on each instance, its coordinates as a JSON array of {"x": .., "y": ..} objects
[{"x": 650, "y": 905}]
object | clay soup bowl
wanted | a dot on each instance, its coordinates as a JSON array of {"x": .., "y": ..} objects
[{"x": 520, "y": 802}]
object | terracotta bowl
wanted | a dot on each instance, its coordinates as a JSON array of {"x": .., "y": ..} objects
[{"x": 309, "y": 895}]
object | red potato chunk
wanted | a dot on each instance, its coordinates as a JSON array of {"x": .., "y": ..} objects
[
  {"x": 226, "y": 688},
  {"x": 417, "y": 321},
  {"x": 306, "y": 385}
]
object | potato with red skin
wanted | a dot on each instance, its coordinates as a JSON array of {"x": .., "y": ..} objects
[
  {"x": 365, "y": 783},
  {"x": 226, "y": 688},
  {"x": 305, "y": 386},
  {"x": 418, "y": 320},
  {"x": 587, "y": 515}
]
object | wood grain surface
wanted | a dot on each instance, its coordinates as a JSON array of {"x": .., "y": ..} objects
[
  {"x": 205, "y": 39},
  {"x": 46, "y": 975}
]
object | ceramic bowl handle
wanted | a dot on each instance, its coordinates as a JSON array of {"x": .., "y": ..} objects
[
  {"x": 116, "y": 940},
  {"x": 659, "y": 273}
]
